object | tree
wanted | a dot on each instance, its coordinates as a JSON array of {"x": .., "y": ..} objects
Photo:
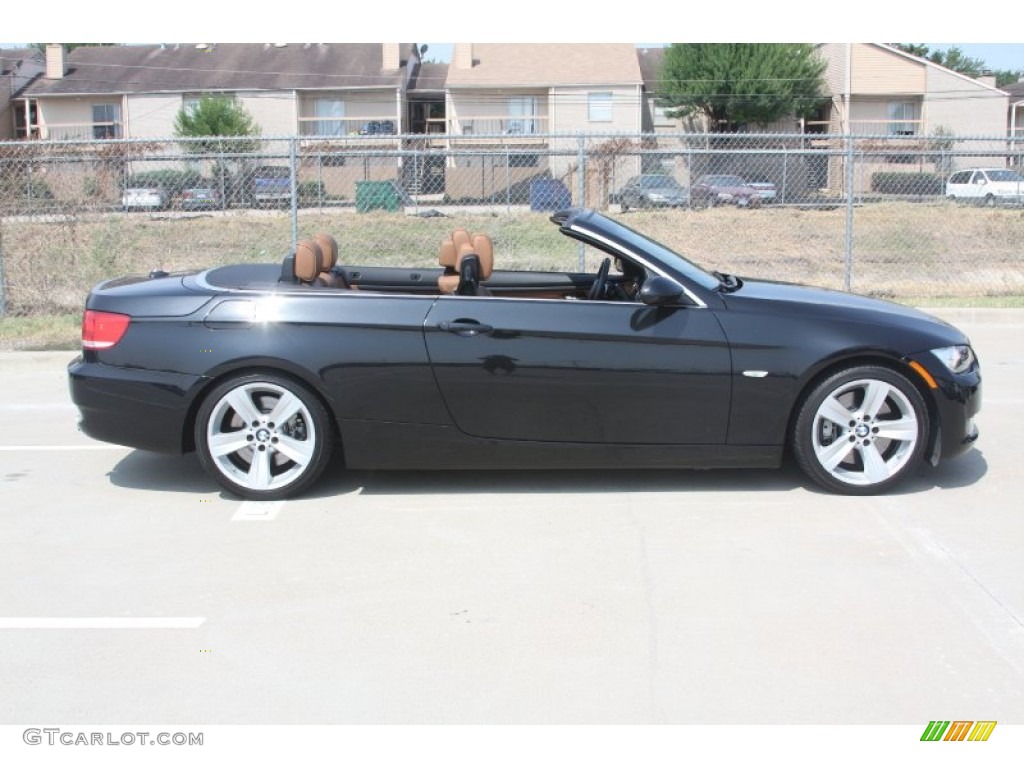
[
  {"x": 219, "y": 116},
  {"x": 952, "y": 58},
  {"x": 1005, "y": 77},
  {"x": 69, "y": 47},
  {"x": 955, "y": 59},
  {"x": 734, "y": 84}
]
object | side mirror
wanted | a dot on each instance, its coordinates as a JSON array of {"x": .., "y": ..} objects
[{"x": 658, "y": 291}]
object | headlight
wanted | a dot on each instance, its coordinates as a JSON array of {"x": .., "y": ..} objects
[{"x": 958, "y": 359}]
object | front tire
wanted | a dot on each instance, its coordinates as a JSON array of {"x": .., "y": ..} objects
[
  {"x": 263, "y": 436},
  {"x": 861, "y": 431}
]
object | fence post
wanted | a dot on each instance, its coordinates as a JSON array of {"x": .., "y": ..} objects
[
  {"x": 3, "y": 279},
  {"x": 293, "y": 156},
  {"x": 320, "y": 181},
  {"x": 220, "y": 175},
  {"x": 581, "y": 190},
  {"x": 508, "y": 182},
  {"x": 848, "y": 261},
  {"x": 785, "y": 169}
]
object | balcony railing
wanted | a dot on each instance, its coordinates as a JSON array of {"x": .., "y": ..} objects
[
  {"x": 77, "y": 131},
  {"x": 895, "y": 128},
  {"x": 343, "y": 127},
  {"x": 518, "y": 126}
]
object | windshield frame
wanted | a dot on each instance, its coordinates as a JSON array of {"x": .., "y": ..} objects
[{"x": 604, "y": 230}]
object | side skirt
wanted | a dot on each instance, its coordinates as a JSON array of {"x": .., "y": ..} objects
[{"x": 385, "y": 445}]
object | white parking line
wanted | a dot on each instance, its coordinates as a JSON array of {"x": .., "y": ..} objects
[
  {"x": 37, "y": 407},
  {"x": 20, "y": 448},
  {"x": 101, "y": 622},
  {"x": 257, "y": 510}
]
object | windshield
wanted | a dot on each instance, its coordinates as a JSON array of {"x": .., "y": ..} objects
[
  {"x": 1005, "y": 176},
  {"x": 642, "y": 245}
]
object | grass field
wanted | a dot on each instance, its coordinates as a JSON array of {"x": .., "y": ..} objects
[{"x": 915, "y": 253}]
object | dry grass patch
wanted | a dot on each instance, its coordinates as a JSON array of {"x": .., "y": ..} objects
[{"x": 899, "y": 249}]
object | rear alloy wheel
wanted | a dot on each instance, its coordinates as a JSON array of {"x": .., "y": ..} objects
[
  {"x": 861, "y": 431},
  {"x": 263, "y": 437},
  {"x": 990, "y": 201}
]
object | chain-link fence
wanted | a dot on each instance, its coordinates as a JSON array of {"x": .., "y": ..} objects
[{"x": 896, "y": 216}]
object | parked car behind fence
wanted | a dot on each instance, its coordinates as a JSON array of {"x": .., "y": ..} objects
[
  {"x": 986, "y": 186},
  {"x": 652, "y": 190}
]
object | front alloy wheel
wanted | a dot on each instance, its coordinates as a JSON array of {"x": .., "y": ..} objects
[
  {"x": 861, "y": 431},
  {"x": 263, "y": 437}
]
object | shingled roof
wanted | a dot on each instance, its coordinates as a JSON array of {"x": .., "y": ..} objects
[
  {"x": 220, "y": 67},
  {"x": 651, "y": 60},
  {"x": 547, "y": 64},
  {"x": 430, "y": 77},
  {"x": 10, "y": 57}
]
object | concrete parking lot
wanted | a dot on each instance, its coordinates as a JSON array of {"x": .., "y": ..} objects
[{"x": 135, "y": 591}]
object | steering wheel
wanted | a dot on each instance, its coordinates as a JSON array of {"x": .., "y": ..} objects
[{"x": 600, "y": 282}]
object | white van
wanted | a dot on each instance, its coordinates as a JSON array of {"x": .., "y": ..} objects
[{"x": 986, "y": 186}]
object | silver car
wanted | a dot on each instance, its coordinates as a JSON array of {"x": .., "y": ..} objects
[
  {"x": 653, "y": 190},
  {"x": 148, "y": 198}
]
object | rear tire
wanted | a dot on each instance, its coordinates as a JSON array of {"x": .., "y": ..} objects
[
  {"x": 861, "y": 431},
  {"x": 263, "y": 436}
]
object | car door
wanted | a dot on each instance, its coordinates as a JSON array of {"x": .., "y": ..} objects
[
  {"x": 580, "y": 371},
  {"x": 959, "y": 184},
  {"x": 978, "y": 183}
]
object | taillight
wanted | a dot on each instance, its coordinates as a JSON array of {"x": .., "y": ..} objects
[{"x": 102, "y": 330}]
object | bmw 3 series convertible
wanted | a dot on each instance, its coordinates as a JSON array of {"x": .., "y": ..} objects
[{"x": 269, "y": 370}]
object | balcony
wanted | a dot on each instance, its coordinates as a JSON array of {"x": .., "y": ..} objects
[
  {"x": 76, "y": 131},
  {"x": 382, "y": 127},
  {"x": 893, "y": 128},
  {"x": 520, "y": 129}
]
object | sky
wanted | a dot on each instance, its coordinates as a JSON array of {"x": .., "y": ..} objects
[
  {"x": 995, "y": 55},
  {"x": 526, "y": 21}
]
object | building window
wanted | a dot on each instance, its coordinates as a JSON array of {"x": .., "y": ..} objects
[
  {"x": 332, "y": 114},
  {"x": 522, "y": 113},
  {"x": 523, "y": 160},
  {"x": 900, "y": 111},
  {"x": 661, "y": 117},
  {"x": 106, "y": 121},
  {"x": 599, "y": 107}
]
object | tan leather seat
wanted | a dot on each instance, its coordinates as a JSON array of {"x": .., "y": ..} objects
[
  {"x": 309, "y": 260},
  {"x": 329, "y": 247},
  {"x": 449, "y": 260},
  {"x": 467, "y": 261},
  {"x": 475, "y": 265},
  {"x": 460, "y": 237}
]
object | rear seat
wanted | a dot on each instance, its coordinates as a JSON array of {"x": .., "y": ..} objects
[
  {"x": 309, "y": 261},
  {"x": 327, "y": 276}
]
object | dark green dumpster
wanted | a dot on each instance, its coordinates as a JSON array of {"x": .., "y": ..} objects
[{"x": 377, "y": 196}]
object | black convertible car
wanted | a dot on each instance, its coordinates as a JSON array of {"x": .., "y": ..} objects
[{"x": 267, "y": 369}]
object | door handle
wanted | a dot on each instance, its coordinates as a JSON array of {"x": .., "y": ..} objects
[{"x": 464, "y": 327}]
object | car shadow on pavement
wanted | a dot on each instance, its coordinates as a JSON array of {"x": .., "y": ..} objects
[
  {"x": 162, "y": 472},
  {"x": 956, "y": 473},
  {"x": 553, "y": 481},
  {"x": 183, "y": 474}
]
